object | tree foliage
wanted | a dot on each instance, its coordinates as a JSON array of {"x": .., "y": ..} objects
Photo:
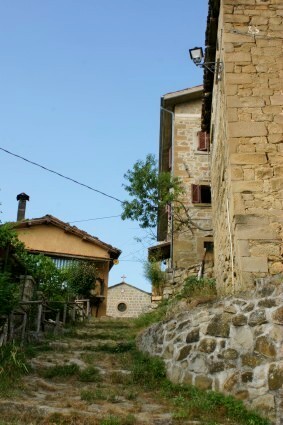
[
  {"x": 151, "y": 192},
  {"x": 80, "y": 277}
]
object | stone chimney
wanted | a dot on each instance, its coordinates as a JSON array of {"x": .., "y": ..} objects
[{"x": 22, "y": 198}]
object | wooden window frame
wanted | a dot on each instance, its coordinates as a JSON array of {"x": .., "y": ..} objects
[
  {"x": 197, "y": 194},
  {"x": 203, "y": 141}
]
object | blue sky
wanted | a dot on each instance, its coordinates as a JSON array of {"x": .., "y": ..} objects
[{"x": 80, "y": 88}]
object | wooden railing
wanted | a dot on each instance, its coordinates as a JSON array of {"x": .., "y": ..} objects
[{"x": 32, "y": 318}]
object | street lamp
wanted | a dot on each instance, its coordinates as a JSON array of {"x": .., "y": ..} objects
[{"x": 196, "y": 54}]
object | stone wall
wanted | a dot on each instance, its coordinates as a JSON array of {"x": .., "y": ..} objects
[
  {"x": 247, "y": 144},
  {"x": 233, "y": 346},
  {"x": 192, "y": 167},
  {"x": 135, "y": 301}
]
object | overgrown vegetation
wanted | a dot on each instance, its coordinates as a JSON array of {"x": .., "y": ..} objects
[
  {"x": 194, "y": 287},
  {"x": 157, "y": 277},
  {"x": 13, "y": 365}
]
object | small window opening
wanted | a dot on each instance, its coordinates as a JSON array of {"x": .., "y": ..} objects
[
  {"x": 201, "y": 194},
  {"x": 122, "y": 307}
]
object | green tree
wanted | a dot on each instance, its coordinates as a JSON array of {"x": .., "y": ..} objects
[
  {"x": 151, "y": 192},
  {"x": 80, "y": 277}
]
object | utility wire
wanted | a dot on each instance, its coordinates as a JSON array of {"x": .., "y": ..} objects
[
  {"x": 61, "y": 175},
  {"x": 93, "y": 219}
]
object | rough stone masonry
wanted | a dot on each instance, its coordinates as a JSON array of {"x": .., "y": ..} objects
[{"x": 233, "y": 346}]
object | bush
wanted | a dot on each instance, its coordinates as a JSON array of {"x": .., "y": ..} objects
[
  {"x": 194, "y": 287},
  {"x": 9, "y": 294}
]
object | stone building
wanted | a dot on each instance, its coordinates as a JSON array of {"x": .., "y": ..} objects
[
  {"x": 242, "y": 111},
  {"x": 126, "y": 300},
  {"x": 185, "y": 232}
]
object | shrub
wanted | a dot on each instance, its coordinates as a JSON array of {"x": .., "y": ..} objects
[{"x": 194, "y": 287}]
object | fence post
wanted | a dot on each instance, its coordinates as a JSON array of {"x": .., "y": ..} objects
[
  {"x": 24, "y": 328},
  {"x": 38, "y": 321},
  {"x": 57, "y": 321},
  {"x": 64, "y": 314},
  {"x": 87, "y": 308}
]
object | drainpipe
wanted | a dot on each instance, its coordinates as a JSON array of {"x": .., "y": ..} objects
[
  {"x": 231, "y": 243},
  {"x": 172, "y": 174}
]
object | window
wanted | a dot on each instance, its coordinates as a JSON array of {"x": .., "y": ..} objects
[
  {"x": 122, "y": 307},
  {"x": 203, "y": 141},
  {"x": 201, "y": 194}
]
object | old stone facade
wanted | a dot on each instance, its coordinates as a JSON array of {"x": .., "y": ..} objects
[
  {"x": 187, "y": 226},
  {"x": 125, "y": 300},
  {"x": 233, "y": 346},
  {"x": 247, "y": 144}
]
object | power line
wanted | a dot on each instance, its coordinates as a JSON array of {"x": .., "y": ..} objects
[
  {"x": 93, "y": 219},
  {"x": 61, "y": 175}
]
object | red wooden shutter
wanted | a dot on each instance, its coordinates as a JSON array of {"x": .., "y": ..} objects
[
  {"x": 203, "y": 141},
  {"x": 196, "y": 198}
]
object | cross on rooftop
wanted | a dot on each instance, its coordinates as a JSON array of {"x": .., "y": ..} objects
[{"x": 123, "y": 277}]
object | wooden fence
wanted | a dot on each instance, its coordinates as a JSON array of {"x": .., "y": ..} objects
[{"x": 32, "y": 318}]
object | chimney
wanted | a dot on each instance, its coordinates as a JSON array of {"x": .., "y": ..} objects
[{"x": 22, "y": 198}]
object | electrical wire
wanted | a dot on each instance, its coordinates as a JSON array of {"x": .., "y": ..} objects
[
  {"x": 93, "y": 219},
  {"x": 61, "y": 175}
]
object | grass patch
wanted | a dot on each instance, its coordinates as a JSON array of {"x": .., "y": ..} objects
[
  {"x": 155, "y": 316},
  {"x": 13, "y": 365},
  {"x": 120, "y": 347},
  {"x": 90, "y": 374},
  {"x": 115, "y": 420},
  {"x": 61, "y": 371},
  {"x": 147, "y": 371}
]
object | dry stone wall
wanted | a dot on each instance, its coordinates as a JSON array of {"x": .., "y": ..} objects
[{"x": 233, "y": 346}]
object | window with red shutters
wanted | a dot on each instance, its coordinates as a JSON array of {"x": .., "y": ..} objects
[
  {"x": 203, "y": 141},
  {"x": 201, "y": 194}
]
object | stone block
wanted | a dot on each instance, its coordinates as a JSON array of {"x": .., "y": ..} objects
[
  {"x": 276, "y": 184},
  {"x": 207, "y": 345},
  {"x": 275, "y": 128},
  {"x": 247, "y": 186},
  {"x": 183, "y": 352},
  {"x": 275, "y": 158},
  {"x": 254, "y": 264},
  {"x": 248, "y": 158},
  {"x": 239, "y": 320},
  {"x": 251, "y": 360},
  {"x": 275, "y": 377},
  {"x": 219, "y": 326},
  {"x": 243, "y": 248},
  {"x": 256, "y": 232},
  {"x": 232, "y": 78},
  {"x": 277, "y": 316},
  {"x": 203, "y": 382},
  {"x": 231, "y": 17},
  {"x": 231, "y": 382},
  {"x": 264, "y": 403},
  {"x": 277, "y": 99},
  {"x": 237, "y": 173},
  {"x": 247, "y": 129},
  {"x": 241, "y": 338},
  {"x": 276, "y": 268},
  {"x": 265, "y": 347},
  {"x": 245, "y": 101},
  {"x": 257, "y": 317},
  {"x": 263, "y": 173},
  {"x": 232, "y": 114}
]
